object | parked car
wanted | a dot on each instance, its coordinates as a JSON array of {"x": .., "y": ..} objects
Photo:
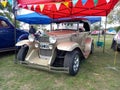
[
  {"x": 7, "y": 35},
  {"x": 59, "y": 50},
  {"x": 116, "y": 42}
]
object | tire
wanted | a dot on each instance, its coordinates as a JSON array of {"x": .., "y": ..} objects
[
  {"x": 72, "y": 60},
  {"x": 92, "y": 48},
  {"x": 22, "y": 53},
  {"x": 114, "y": 46}
]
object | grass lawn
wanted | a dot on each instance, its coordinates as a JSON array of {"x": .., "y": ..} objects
[{"x": 98, "y": 72}]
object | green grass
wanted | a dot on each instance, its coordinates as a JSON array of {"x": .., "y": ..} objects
[{"x": 98, "y": 72}]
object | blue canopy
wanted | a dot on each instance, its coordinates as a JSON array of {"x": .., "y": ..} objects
[
  {"x": 91, "y": 19},
  {"x": 34, "y": 18}
]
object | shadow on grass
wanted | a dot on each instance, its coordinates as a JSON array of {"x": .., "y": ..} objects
[{"x": 4, "y": 54}]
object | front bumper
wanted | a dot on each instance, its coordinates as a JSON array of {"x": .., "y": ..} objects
[{"x": 49, "y": 68}]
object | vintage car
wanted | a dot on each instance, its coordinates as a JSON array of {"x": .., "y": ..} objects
[
  {"x": 60, "y": 50},
  {"x": 116, "y": 42},
  {"x": 7, "y": 35}
]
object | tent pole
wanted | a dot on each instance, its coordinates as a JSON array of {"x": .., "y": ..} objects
[
  {"x": 51, "y": 27},
  {"x": 14, "y": 12},
  {"x": 105, "y": 34},
  {"x": 99, "y": 33}
]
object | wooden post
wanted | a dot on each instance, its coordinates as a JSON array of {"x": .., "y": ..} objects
[
  {"x": 99, "y": 32},
  {"x": 105, "y": 35}
]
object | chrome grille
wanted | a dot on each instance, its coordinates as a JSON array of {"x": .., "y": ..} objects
[
  {"x": 44, "y": 45},
  {"x": 45, "y": 52},
  {"x": 44, "y": 39}
]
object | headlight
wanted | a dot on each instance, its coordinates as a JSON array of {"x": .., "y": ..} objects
[
  {"x": 50, "y": 46},
  {"x": 36, "y": 45},
  {"x": 31, "y": 37},
  {"x": 52, "y": 39}
]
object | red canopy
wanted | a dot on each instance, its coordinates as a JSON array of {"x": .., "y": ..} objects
[
  {"x": 69, "y": 8},
  {"x": 38, "y": 1}
]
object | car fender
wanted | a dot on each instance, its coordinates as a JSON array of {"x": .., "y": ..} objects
[
  {"x": 23, "y": 42},
  {"x": 67, "y": 46},
  {"x": 88, "y": 43},
  {"x": 22, "y": 37}
]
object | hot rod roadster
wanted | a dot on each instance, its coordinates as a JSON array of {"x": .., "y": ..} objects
[{"x": 61, "y": 49}]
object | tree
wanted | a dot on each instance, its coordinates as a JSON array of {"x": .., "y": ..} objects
[
  {"x": 8, "y": 12},
  {"x": 114, "y": 16}
]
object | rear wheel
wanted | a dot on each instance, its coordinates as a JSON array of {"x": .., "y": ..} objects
[
  {"x": 22, "y": 53},
  {"x": 114, "y": 46},
  {"x": 72, "y": 60}
]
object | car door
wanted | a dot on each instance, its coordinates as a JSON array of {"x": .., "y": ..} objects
[
  {"x": 6, "y": 35},
  {"x": 81, "y": 39}
]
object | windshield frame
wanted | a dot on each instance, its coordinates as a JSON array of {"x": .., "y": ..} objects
[{"x": 68, "y": 26}]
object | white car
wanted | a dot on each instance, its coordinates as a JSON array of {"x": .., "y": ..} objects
[{"x": 116, "y": 41}]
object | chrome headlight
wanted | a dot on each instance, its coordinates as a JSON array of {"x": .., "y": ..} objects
[
  {"x": 36, "y": 45},
  {"x": 31, "y": 37},
  {"x": 52, "y": 39}
]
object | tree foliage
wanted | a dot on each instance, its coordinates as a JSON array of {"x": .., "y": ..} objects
[
  {"x": 114, "y": 16},
  {"x": 8, "y": 13},
  {"x": 117, "y": 28}
]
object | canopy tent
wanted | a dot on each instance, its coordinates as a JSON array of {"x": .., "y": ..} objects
[
  {"x": 91, "y": 19},
  {"x": 34, "y": 18},
  {"x": 69, "y": 8},
  {"x": 111, "y": 31}
]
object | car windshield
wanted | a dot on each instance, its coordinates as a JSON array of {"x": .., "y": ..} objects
[{"x": 68, "y": 26}]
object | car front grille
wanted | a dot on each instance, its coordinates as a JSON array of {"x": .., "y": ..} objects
[
  {"x": 44, "y": 39},
  {"x": 45, "y": 52},
  {"x": 44, "y": 45}
]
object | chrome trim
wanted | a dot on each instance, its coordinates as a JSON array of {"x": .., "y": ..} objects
[{"x": 44, "y": 45}]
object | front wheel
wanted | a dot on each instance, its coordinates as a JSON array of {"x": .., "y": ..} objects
[
  {"x": 92, "y": 48},
  {"x": 72, "y": 60},
  {"x": 114, "y": 46},
  {"x": 22, "y": 53}
]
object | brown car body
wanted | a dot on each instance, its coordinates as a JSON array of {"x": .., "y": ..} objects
[{"x": 58, "y": 56}]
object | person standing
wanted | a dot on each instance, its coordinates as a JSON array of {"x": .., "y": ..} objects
[{"x": 32, "y": 30}]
